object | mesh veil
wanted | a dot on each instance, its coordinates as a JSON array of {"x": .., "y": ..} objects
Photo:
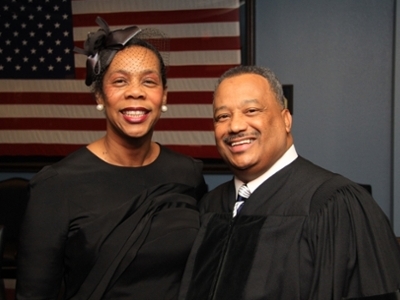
[{"x": 100, "y": 47}]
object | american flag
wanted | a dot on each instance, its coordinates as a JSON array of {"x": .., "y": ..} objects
[{"x": 45, "y": 107}]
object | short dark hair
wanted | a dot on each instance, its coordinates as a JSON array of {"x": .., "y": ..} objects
[
  {"x": 270, "y": 76},
  {"x": 97, "y": 86}
]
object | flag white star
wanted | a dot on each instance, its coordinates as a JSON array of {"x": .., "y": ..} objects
[{"x": 36, "y": 32}]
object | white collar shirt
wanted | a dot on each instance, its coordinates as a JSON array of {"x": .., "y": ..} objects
[{"x": 287, "y": 158}]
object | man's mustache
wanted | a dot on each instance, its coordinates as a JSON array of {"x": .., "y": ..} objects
[{"x": 232, "y": 137}]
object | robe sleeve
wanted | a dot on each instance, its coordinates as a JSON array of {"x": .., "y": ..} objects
[
  {"x": 352, "y": 246},
  {"x": 201, "y": 187},
  {"x": 42, "y": 239}
]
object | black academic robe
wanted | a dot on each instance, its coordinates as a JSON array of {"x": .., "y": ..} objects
[{"x": 305, "y": 233}]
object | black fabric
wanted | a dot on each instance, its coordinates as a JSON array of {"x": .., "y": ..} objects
[
  {"x": 2, "y": 288},
  {"x": 305, "y": 233},
  {"x": 225, "y": 264},
  {"x": 389, "y": 296},
  {"x": 109, "y": 232},
  {"x": 124, "y": 240}
]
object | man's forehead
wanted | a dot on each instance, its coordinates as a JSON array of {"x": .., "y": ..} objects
[{"x": 230, "y": 103}]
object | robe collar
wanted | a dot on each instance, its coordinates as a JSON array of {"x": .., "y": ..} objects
[{"x": 287, "y": 158}]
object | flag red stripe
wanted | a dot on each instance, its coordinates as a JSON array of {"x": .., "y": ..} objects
[
  {"x": 52, "y": 124},
  {"x": 190, "y": 98},
  {"x": 47, "y": 98},
  {"x": 182, "y": 124},
  {"x": 205, "y": 43},
  {"x": 87, "y": 98},
  {"x": 185, "y": 124},
  {"x": 37, "y": 149},
  {"x": 197, "y": 43},
  {"x": 159, "y": 17},
  {"x": 65, "y": 149},
  {"x": 201, "y": 71},
  {"x": 197, "y": 151}
]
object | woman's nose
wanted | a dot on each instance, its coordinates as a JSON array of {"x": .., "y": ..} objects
[{"x": 134, "y": 91}]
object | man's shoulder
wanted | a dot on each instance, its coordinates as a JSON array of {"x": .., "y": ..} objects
[
  {"x": 223, "y": 188},
  {"x": 218, "y": 198}
]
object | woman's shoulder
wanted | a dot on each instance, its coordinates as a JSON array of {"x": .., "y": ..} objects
[
  {"x": 181, "y": 168},
  {"x": 175, "y": 158},
  {"x": 67, "y": 166}
]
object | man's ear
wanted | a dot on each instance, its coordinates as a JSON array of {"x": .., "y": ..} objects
[{"x": 287, "y": 118}]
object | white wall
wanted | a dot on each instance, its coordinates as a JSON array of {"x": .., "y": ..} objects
[{"x": 338, "y": 54}]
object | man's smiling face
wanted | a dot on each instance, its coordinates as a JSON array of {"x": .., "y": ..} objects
[{"x": 252, "y": 130}]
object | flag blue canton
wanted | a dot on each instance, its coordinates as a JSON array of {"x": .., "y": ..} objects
[{"x": 36, "y": 39}]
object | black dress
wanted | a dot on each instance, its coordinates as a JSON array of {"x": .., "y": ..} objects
[
  {"x": 305, "y": 233},
  {"x": 110, "y": 232}
]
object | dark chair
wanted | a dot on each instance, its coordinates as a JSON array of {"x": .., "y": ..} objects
[
  {"x": 14, "y": 195},
  {"x": 368, "y": 187},
  {"x": 2, "y": 288}
]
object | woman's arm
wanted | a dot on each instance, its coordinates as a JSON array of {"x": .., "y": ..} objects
[{"x": 42, "y": 239}]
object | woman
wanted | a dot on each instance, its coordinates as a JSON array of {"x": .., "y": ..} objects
[{"x": 116, "y": 219}]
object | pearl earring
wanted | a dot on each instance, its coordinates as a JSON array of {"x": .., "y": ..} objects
[
  {"x": 99, "y": 107},
  {"x": 164, "y": 108}
]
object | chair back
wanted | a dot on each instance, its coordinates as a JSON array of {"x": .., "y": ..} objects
[
  {"x": 14, "y": 196},
  {"x": 2, "y": 288}
]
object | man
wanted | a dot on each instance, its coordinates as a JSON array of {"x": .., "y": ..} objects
[{"x": 303, "y": 232}]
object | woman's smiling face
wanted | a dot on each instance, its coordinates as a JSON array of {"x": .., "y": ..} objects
[{"x": 133, "y": 93}]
